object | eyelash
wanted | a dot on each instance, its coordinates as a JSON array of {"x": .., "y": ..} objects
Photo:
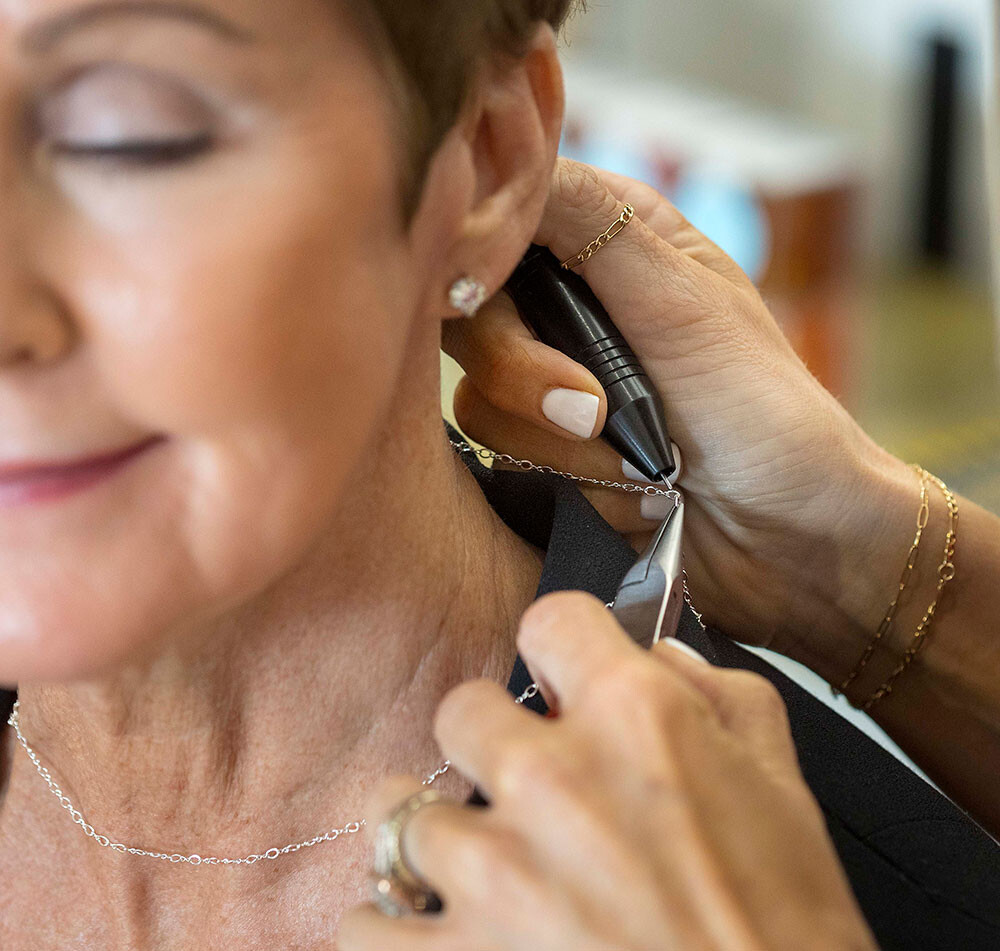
[{"x": 150, "y": 154}]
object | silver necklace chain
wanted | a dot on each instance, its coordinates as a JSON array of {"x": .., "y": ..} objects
[
  {"x": 631, "y": 487},
  {"x": 355, "y": 826}
]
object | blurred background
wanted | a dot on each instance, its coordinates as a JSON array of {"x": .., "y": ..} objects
[{"x": 837, "y": 150}]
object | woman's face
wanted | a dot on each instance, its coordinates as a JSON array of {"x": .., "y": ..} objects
[{"x": 200, "y": 259}]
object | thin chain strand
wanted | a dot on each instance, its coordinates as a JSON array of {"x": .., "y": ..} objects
[
  {"x": 652, "y": 490},
  {"x": 354, "y": 827},
  {"x": 946, "y": 574},
  {"x": 630, "y": 487},
  {"x": 175, "y": 857}
]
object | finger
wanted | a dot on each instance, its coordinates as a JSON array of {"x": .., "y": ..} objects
[
  {"x": 637, "y": 266},
  {"x": 666, "y": 221},
  {"x": 365, "y": 928},
  {"x": 386, "y": 798},
  {"x": 747, "y": 704},
  {"x": 477, "y": 723},
  {"x": 569, "y": 641},
  {"x": 504, "y": 432},
  {"x": 524, "y": 377},
  {"x": 674, "y": 311},
  {"x": 437, "y": 840}
]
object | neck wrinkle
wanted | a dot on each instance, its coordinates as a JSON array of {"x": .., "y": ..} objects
[{"x": 306, "y": 696}]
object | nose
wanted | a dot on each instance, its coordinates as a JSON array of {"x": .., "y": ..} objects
[{"x": 33, "y": 327}]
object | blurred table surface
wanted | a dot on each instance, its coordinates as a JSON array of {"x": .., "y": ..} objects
[{"x": 927, "y": 377}]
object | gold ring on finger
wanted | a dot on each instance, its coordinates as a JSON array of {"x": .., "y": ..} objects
[{"x": 628, "y": 213}]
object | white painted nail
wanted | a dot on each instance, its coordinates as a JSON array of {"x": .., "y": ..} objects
[
  {"x": 655, "y": 507},
  {"x": 678, "y": 473},
  {"x": 572, "y": 410},
  {"x": 634, "y": 475},
  {"x": 684, "y": 648}
]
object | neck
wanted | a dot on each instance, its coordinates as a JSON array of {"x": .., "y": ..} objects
[{"x": 271, "y": 723}]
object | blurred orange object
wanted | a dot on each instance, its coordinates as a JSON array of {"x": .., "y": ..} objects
[{"x": 811, "y": 280}]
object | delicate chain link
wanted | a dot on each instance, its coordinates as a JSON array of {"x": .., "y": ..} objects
[
  {"x": 946, "y": 573},
  {"x": 923, "y": 517},
  {"x": 628, "y": 213},
  {"x": 690, "y": 603},
  {"x": 630, "y": 487},
  {"x": 351, "y": 828},
  {"x": 176, "y": 858}
]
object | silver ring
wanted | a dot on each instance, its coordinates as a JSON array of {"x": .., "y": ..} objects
[{"x": 396, "y": 889}]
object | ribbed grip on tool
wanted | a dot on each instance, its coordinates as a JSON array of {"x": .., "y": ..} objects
[{"x": 611, "y": 361}]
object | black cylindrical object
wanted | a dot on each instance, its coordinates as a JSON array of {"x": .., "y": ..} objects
[
  {"x": 941, "y": 151},
  {"x": 563, "y": 312}
]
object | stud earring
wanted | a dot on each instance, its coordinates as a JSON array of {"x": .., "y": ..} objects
[{"x": 467, "y": 295}]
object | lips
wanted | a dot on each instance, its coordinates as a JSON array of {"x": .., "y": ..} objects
[{"x": 23, "y": 482}]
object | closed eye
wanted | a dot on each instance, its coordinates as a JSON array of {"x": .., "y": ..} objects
[{"x": 149, "y": 152}]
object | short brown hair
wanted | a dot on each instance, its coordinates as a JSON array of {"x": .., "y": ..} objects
[{"x": 434, "y": 46}]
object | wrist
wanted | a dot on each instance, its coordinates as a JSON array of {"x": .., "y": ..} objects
[{"x": 861, "y": 531}]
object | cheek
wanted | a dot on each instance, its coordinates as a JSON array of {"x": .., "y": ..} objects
[
  {"x": 264, "y": 337},
  {"x": 266, "y": 312}
]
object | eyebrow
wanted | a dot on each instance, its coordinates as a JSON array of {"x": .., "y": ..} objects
[{"x": 43, "y": 36}]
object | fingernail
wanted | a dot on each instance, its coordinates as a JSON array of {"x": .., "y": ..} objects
[
  {"x": 678, "y": 473},
  {"x": 572, "y": 410},
  {"x": 634, "y": 475},
  {"x": 684, "y": 648},
  {"x": 655, "y": 507}
]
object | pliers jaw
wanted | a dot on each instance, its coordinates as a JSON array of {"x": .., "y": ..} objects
[{"x": 650, "y": 599}]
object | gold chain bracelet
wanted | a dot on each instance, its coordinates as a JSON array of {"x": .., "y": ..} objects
[
  {"x": 946, "y": 573},
  {"x": 923, "y": 516}
]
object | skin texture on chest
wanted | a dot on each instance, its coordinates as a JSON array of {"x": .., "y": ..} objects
[
  {"x": 60, "y": 891},
  {"x": 49, "y": 907}
]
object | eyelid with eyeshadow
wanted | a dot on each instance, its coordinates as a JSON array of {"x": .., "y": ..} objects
[{"x": 111, "y": 106}]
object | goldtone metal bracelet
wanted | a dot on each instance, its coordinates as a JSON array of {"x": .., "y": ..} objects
[
  {"x": 350, "y": 828},
  {"x": 628, "y": 213},
  {"x": 923, "y": 516},
  {"x": 946, "y": 573}
]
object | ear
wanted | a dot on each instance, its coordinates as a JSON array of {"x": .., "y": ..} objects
[{"x": 488, "y": 182}]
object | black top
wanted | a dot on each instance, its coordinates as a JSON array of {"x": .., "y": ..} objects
[{"x": 925, "y": 875}]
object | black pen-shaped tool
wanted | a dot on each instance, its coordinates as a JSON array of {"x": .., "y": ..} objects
[{"x": 563, "y": 312}]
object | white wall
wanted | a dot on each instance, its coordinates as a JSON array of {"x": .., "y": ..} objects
[{"x": 852, "y": 65}]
